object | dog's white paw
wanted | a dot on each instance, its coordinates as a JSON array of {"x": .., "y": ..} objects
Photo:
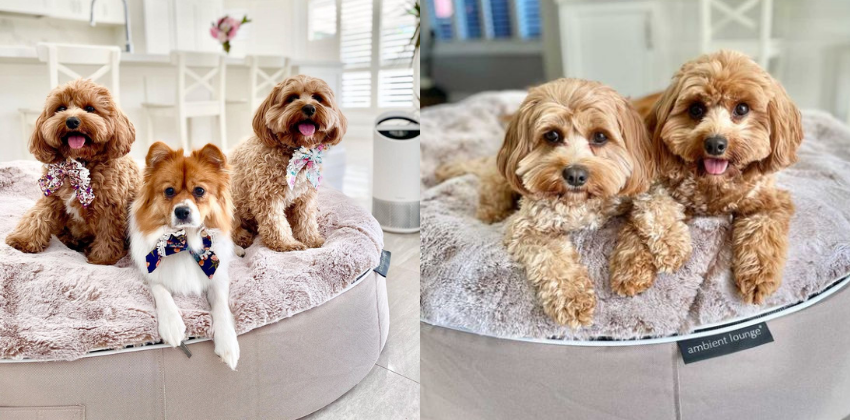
[
  {"x": 240, "y": 252},
  {"x": 171, "y": 328},
  {"x": 227, "y": 347}
]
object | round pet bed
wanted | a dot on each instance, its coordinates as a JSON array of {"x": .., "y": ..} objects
[
  {"x": 78, "y": 340},
  {"x": 483, "y": 330}
]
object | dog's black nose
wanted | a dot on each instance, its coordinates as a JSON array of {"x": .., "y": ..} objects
[
  {"x": 182, "y": 213},
  {"x": 575, "y": 175},
  {"x": 716, "y": 145},
  {"x": 72, "y": 122},
  {"x": 308, "y": 110}
]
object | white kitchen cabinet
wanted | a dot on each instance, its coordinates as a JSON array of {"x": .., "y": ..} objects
[
  {"x": 108, "y": 12},
  {"x": 181, "y": 25},
  {"x": 30, "y": 7},
  {"x": 627, "y": 33}
]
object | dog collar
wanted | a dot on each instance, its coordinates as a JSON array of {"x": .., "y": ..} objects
[
  {"x": 173, "y": 243},
  {"x": 307, "y": 160},
  {"x": 77, "y": 174}
]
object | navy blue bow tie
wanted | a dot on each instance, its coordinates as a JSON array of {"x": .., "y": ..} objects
[{"x": 174, "y": 243}]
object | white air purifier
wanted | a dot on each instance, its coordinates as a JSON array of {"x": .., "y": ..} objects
[{"x": 395, "y": 172}]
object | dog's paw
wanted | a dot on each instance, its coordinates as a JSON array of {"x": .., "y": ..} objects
[
  {"x": 632, "y": 271},
  {"x": 227, "y": 347},
  {"x": 24, "y": 244},
  {"x": 240, "y": 252},
  {"x": 673, "y": 250},
  {"x": 754, "y": 289},
  {"x": 171, "y": 329},
  {"x": 575, "y": 310},
  {"x": 287, "y": 246},
  {"x": 314, "y": 242},
  {"x": 102, "y": 259}
]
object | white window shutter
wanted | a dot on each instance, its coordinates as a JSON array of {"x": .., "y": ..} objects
[{"x": 321, "y": 19}]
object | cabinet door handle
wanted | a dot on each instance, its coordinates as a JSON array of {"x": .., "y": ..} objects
[{"x": 647, "y": 32}]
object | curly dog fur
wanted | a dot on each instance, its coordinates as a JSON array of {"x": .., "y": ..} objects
[
  {"x": 265, "y": 205},
  {"x": 721, "y": 97},
  {"x": 574, "y": 151},
  {"x": 99, "y": 230}
]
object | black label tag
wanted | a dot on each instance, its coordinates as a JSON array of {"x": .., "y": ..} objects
[
  {"x": 730, "y": 342},
  {"x": 384, "y": 266}
]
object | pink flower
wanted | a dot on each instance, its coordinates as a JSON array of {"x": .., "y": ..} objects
[{"x": 225, "y": 29}]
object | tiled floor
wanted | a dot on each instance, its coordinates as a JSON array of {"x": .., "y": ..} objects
[{"x": 391, "y": 390}]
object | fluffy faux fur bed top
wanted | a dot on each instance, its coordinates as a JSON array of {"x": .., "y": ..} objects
[
  {"x": 469, "y": 281},
  {"x": 54, "y": 305}
]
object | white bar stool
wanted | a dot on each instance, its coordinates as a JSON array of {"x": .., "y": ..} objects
[
  {"x": 760, "y": 45},
  {"x": 260, "y": 83},
  {"x": 183, "y": 109},
  {"x": 59, "y": 56}
]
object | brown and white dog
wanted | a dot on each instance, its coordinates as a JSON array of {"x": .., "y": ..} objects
[
  {"x": 720, "y": 131},
  {"x": 180, "y": 239},
  {"x": 89, "y": 182},
  {"x": 299, "y": 117},
  {"x": 575, "y": 151}
]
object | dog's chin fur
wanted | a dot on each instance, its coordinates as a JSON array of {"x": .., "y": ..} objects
[
  {"x": 153, "y": 215},
  {"x": 538, "y": 234},
  {"x": 760, "y": 143},
  {"x": 114, "y": 175},
  {"x": 265, "y": 204}
]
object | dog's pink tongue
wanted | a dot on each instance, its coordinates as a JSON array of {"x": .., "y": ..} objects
[
  {"x": 307, "y": 129},
  {"x": 715, "y": 166},
  {"x": 76, "y": 142}
]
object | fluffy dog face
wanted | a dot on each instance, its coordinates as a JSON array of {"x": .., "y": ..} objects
[
  {"x": 724, "y": 115},
  {"x": 300, "y": 111},
  {"x": 81, "y": 121},
  {"x": 185, "y": 192},
  {"x": 575, "y": 139}
]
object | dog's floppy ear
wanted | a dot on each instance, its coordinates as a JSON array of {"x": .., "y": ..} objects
[
  {"x": 637, "y": 141},
  {"x": 38, "y": 146},
  {"x": 515, "y": 147},
  {"x": 124, "y": 134},
  {"x": 158, "y": 152},
  {"x": 261, "y": 130},
  {"x": 213, "y": 155},
  {"x": 338, "y": 132},
  {"x": 655, "y": 121},
  {"x": 786, "y": 131}
]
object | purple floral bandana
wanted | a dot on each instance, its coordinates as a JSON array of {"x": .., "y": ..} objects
[
  {"x": 308, "y": 160},
  {"x": 173, "y": 243},
  {"x": 76, "y": 173}
]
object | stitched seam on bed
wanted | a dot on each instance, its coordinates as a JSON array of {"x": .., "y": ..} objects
[{"x": 378, "y": 315}]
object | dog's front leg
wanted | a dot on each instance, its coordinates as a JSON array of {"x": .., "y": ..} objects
[
  {"x": 632, "y": 267},
  {"x": 274, "y": 227},
  {"x": 660, "y": 222},
  {"x": 760, "y": 244},
  {"x": 171, "y": 328},
  {"x": 224, "y": 329},
  {"x": 109, "y": 244},
  {"x": 37, "y": 226},
  {"x": 303, "y": 215},
  {"x": 553, "y": 267}
]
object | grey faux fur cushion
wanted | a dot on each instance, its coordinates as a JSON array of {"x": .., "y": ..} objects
[
  {"x": 469, "y": 281},
  {"x": 54, "y": 305}
]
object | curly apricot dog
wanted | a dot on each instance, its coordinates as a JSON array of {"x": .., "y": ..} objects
[
  {"x": 721, "y": 130},
  {"x": 300, "y": 117},
  {"x": 89, "y": 182},
  {"x": 575, "y": 151}
]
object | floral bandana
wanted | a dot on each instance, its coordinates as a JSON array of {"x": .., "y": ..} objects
[
  {"x": 173, "y": 243},
  {"x": 76, "y": 173},
  {"x": 309, "y": 160}
]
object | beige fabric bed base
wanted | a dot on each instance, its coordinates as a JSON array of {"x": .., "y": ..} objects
[
  {"x": 286, "y": 370},
  {"x": 804, "y": 374}
]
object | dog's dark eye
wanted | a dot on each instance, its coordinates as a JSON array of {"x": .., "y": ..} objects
[
  {"x": 199, "y": 192},
  {"x": 169, "y": 192},
  {"x": 61, "y": 108},
  {"x": 552, "y": 136},
  {"x": 742, "y": 109},
  {"x": 292, "y": 98},
  {"x": 599, "y": 138},
  {"x": 696, "y": 111},
  {"x": 317, "y": 98},
  {"x": 89, "y": 108}
]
